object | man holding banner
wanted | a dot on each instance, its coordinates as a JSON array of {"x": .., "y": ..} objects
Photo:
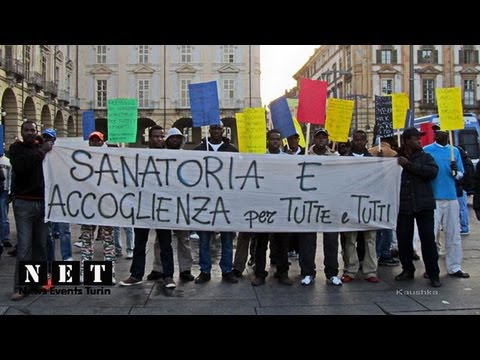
[{"x": 216, "y": 142}]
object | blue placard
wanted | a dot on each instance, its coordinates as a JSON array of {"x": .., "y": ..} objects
[
  {"x": 88, "y": 123},
  {"x": 204, "y": 104},
  {"x": 282, "y": 117}
]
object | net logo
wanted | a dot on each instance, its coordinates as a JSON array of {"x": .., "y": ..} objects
[{"x": 95, "y": 273}]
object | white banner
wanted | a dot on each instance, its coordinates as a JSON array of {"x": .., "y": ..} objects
[{"x": 197, "y": 190}]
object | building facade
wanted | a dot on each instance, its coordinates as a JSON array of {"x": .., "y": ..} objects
[
  {"x": 159, "y": 75},
  {"x": 39, "y": 83},
  {"x": 359, "y": 72}
]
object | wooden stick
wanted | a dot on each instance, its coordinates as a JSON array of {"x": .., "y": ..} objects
[{"x": 307, "y": 137}]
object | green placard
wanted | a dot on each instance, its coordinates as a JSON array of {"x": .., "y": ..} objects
[{"x": 122, "y": 120}]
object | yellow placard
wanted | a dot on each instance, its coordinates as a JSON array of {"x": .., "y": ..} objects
[
  {"x": 450, "y": 109},
  {"x": 339, "y": 119},
  {"x": 251, "y": 130},
  {"x": 400, "y": 106}
]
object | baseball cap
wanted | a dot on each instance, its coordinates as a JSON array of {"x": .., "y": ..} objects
[
  {"x": 50, "y": 132},
  {"x": 321, "y": 131},
  {"x": 410, "y": 132},
  {"x": 97, "y": 134},
  {"x": 173, "y": 132}
]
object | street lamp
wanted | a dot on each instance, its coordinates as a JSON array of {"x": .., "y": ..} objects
[{"x": 335, "y": 77}]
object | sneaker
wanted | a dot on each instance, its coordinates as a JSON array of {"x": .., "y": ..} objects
[
  {"x": 388, "y": 262},
  {"x": 78, "y": 244},
  {"x": 114, "y": 281},
  {"x": 186, "y": 276},
  {"x": 292, "y": 254},
  {"x": 463, "y": 233},
  {"x": 169, "y": 283},
  {"x": 155, "y": 275},
  {"x": 68, "y": 259},
  {"x": 372, "y": 279},
  {"x": 229, "y": 277},
  {"x": 129, "y": 254},
  {"x": 251, "y": 261},
  {"x": 415, "y": 256},
  {"x": 130, "y": 281},
  {"x": 308, "y": 280},
  {"x": 202, "y": 278},
  {"x": 334, "y": 280},
  {"x": 118, "y": 254},
  {"x": 194, "y": 236},
  {"x": 7, "y": 243},
  {"x": 12, "y": 252},
  {"x": 346, "y": 278}
]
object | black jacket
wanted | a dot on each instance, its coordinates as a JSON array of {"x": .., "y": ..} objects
[
  {"x": 26, "y": 160},
  {"x": 226, "y": 146},
  {"x": 416, "y": 192}
]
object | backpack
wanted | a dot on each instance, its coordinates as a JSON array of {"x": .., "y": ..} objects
[{"x": 467, "y": 180}]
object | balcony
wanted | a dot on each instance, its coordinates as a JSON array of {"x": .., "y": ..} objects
[
  {"x": 231, "y": 104},
  {"x": 13, "y": 68},
  {"x": 74, "y": 102},
  {"x": 146, "y": 104},
  {"x": 50, "y": 87},
  {"x": 182, "y": 104},
  {"x": 64, "y": 96}
]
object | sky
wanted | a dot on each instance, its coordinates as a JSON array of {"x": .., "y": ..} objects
[{"x": 278, "y": 64}]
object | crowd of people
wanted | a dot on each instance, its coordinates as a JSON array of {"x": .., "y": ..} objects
[{"x": 430, "y": 204}]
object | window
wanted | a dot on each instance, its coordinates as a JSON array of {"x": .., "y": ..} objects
[
  {"x": 143, "y": 54},
  {"x": 429, "y": 91},
  {"x": 184, "y": 95},
  {"x": 28, "y": 59},
  {"x": 427, "y": 55},
  {"x": 349, "y": 57},
  {"x": 44, "y": 67},
  {"x": 188, "y": 134},
  {"x": 101, "y": 54},
  {"x": 228, "y": 54},
  {"x": 387, "y": 86},
  {"x": 468, "y": 92},
  {"x": 101, "y": 93},
  {"x": 57, "y": 74},
  {"x": 468, "y": 55},
  {"x": 143, "y": 93},
  {"x": 228, "y": 93},
  {"x": 68, "y": 82},
  {"x": 387, "y": 55},
  {"x": 186, "y": 54}
]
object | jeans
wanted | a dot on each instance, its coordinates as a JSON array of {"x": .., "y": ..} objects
[
  {"x": 205, "y": 259},
  {"x": 384, "y": 242},
  {"x": 4, "y": 223},
  {"x": 31, "y": 232},
  {"x": 65, "y": 241},
  {"x": 462, "y": 202},
  {"x": 128, "y": 235}
]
